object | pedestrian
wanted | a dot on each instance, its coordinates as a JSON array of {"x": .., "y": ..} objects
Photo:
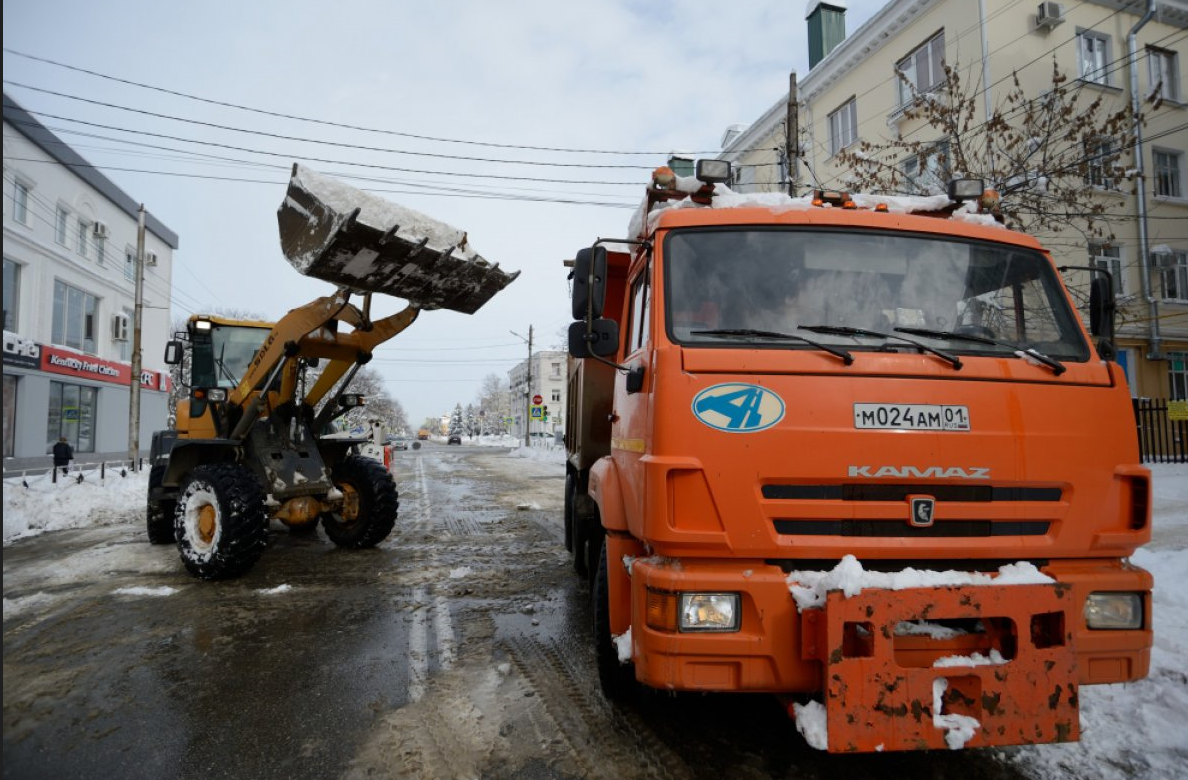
[{"x": 63, "y": 454}]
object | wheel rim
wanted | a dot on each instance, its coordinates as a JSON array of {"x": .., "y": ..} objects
[
  {"x": 350, "y": 502},
  {"x": 207, "y": 523}
]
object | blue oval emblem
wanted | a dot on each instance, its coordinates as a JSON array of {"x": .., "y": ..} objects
[{"x": 738, "y": 408}]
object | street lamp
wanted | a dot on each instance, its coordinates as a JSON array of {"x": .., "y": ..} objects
[{"x": 527, "y": 388}]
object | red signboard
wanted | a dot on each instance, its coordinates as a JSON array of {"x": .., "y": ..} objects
[
  {"x": 64, "y": 361},
  {"x": 536, "y": 399}
]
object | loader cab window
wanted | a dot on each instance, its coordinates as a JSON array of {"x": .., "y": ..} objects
[
  {"x": 795, "y": 280},
  {"x": 221, "y": 357}
]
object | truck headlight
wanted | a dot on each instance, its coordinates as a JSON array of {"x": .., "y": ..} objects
[
  {"x": 1114, "y": 610},
  {"x": 709, "y": 612}
]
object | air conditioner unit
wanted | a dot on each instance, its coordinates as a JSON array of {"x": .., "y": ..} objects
[
  {"x": 150, "y": 258},
  {"x": 99, "y": 229},
  {"x": 1048, "y": 15},
  {"x": 120, "y": 326}
]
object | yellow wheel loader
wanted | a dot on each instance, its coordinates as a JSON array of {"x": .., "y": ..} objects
[{"x": 250, "y": 442}]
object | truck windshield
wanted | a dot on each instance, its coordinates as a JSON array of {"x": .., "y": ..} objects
[
  {"x": 221, "y": 360},
  {"x": 849, "y": 289}
]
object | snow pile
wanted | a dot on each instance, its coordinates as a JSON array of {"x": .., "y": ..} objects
[
  {"x": 812, "y": 724},
  {"x": 780, "y": 203},
  {"x": 374, "y": 212},
  {"x": 623, "y": 646},
  {"x": 809, "y": 588},
  {"x": 46, "y": 506},
  {"x": 164, "y": 590},
  {"x": 975, "y": 659}
]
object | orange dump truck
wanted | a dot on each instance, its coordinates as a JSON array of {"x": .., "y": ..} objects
[{"x": 858, "y": 452}]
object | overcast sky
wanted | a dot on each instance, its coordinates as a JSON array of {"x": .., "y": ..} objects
[{"x": 608, "y": 75}]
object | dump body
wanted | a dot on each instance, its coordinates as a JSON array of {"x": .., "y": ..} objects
[{"x": 748, "y": 456}]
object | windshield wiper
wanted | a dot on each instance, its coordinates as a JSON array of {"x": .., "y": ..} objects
[
  {"x": 845, "y": 357},
  {"x": 1030, "y": 352},
  {"x": 843, "y": 330},
  {"x": 223, "y": 366}
]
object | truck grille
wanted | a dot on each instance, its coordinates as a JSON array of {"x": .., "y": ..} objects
[{"x": 844, "y": 498}]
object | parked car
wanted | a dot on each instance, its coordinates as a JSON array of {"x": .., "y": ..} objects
[
  {"x": 454, "y": 439},
  {"x": 398, "y": 442}
]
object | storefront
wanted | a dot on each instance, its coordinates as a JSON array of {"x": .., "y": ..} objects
[{"x": 51, "y": 392}]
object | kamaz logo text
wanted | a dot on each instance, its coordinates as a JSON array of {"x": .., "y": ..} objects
[{"x": 904, "y": 472}]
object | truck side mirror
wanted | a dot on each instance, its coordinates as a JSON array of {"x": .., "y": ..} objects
[
  {"x": 1101, "y": 315},
  {"x": 602, "y": 341},
  {"x": 589, "y": 282},
  {"x": 173, "y": 352}
]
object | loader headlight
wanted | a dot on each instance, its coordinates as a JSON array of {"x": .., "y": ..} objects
[
  {"x": 216, "y": 394},
  {"x": 1114, "y": 610},
  {"x": 709, "y": 612}
]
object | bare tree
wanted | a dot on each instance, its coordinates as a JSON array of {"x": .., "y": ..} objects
[{"x": 1053, "y": 157}]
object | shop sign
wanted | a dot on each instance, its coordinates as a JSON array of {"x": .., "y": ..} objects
[{"x": 20, "y": 351}]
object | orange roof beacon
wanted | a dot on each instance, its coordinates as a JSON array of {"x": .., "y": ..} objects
[{"x": 858, "y": 452}]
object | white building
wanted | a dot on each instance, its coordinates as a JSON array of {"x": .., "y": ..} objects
[
  {"x": 549, "y": 382},
  {"x": 70, "y": 238}
]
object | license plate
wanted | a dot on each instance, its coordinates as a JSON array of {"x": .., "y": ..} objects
[{"x": 911, "y": 417}]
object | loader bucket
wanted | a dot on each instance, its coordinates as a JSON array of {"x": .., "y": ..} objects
[{"x": 332, "y": 231}]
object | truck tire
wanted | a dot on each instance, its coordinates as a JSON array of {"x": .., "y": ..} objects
[
  {"x": 220, "y": 522},
  {"x": 617, "y": 679},
  {"x": 378, "y": 503},
  {"x": 160, "y": 513},
  {"x": 570, "y": 489}
]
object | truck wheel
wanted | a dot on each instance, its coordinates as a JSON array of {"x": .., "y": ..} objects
[
  {"x": 570, "y": 489},
  {"x": 160, "y": 512},
  {"x": 369, "y": 511},
  {"x": 616, "y": 678},
  {"x": 220, "y": 523}
]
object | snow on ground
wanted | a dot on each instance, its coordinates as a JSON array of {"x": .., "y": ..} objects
[{"x": 1127, "y": 731}]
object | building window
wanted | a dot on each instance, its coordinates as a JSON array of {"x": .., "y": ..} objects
[
  {"x": 1173, "y": 274},
  {"x": 843, "y": 126},
  {"x": 927, "y": 172},
  {"x": 80, "y": 244},
  {"x": 1094, "y": 56},
  {"x": 20, "y": 202},
  {"x": 60, "y": 224},
  {"x": 556, "y": 370},
  {"x": 922, "y": 70},
  {"x": 130, "y": 265},
  {"x": 1177, "y": 376},
  {"x": 1109, "y": 258},
  {"x": 71, "y": 415},
  {"x": 10, "y": 405},
  {"x": 1167, "y": 173},
  {"x": 1164, "y": 71},
  {"x": 742, "y": 178},
  {"x": 12, "y": 297},
  {"x": 125, "y": 345},
  {"x": 1100, "y": 157},
  {"x": 74, "y": 317},
  {"x": 100, "y": 250},
  {"x": 556, "y": 394}
]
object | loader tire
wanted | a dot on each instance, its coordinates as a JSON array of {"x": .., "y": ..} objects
[
  {"x": 220, "y": 522},
  {"x": 160, "y": 513},
  {"x": 616, "y": 678},
  {"x": 367, "y": 483}
]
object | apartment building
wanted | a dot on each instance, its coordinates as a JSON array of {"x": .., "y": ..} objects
[
  {"x": 70, "y": 250},
  {"x": 862, "y": 86}
]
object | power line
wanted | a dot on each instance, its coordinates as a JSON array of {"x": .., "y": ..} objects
[{"x": 328, "y": 123}]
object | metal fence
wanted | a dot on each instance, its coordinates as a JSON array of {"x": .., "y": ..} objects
[{"x": 1161, "y": 439}]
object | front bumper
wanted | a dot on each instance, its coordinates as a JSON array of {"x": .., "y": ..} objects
[{"x": 880, "y": 689}]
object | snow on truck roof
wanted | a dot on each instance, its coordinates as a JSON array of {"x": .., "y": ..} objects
[{"x": 781, "y": 203}]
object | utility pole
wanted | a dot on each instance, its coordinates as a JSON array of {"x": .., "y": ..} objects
[
  {"x": 527, "y": 390},
  {"x": 137, "y": 317},
  {"x": 792, "y": 135}
]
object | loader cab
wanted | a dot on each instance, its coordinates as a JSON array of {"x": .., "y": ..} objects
[{"x": 221, "y": 352}]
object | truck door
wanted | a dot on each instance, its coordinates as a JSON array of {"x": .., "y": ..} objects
[{"x": 632, "y": 405}]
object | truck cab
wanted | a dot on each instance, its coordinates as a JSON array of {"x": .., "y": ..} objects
[{"x": 799, "y": 387}]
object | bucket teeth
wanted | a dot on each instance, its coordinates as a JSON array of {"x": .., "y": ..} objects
[{"x": 353, "y": 239}]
